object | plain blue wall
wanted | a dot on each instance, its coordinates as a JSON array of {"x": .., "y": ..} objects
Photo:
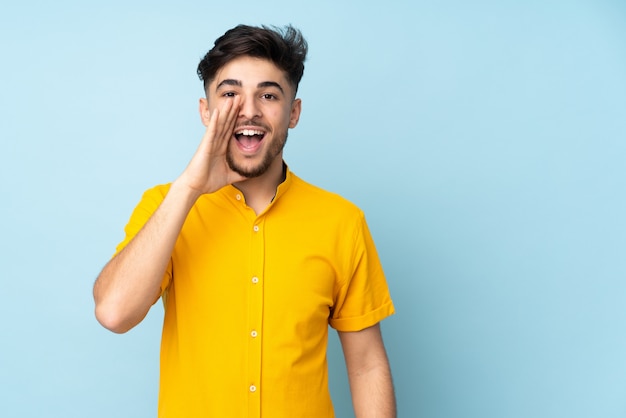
[{"x": 486, "y": 143}]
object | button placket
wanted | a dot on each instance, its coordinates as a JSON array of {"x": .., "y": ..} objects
[{"x": 255, "y": 314}]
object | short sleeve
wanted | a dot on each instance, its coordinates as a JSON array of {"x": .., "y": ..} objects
[
  {"x": 146, "y": 207},
  {"x": 363, "y": 298}
]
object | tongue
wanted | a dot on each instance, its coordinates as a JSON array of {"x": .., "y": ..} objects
[{"x": 249, "y": 141}]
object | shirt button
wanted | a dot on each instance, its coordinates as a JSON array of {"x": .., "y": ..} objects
[
  {"x": 255, "y": 280},
  {"x": 256, "y": 228},
  {"x": 253, "y": 334},
  {"x": 238, "y": 196},
  {"x": 252, "y": 388}
]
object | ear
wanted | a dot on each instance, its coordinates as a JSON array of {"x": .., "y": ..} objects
[
  {"x": 294, "y": 117},
  {"x": 205, "y": 114}
]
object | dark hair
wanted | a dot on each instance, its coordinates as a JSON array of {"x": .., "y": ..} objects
[{"x": 286, "y": 48}]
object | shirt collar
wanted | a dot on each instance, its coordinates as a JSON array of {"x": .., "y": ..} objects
[
  {"x": 234, "y": 193},
  {"x": 284, "y": 186}
]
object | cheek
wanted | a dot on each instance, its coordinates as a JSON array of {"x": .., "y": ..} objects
[{"x": 278, "y": 117}]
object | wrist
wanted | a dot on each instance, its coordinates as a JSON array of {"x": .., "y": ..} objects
[{"x": 182, "y": 190}]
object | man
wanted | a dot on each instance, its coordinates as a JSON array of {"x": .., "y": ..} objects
[{"x": 251, "y": 262}]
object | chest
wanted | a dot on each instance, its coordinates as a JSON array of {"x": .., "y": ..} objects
[{"x": 241, "y": 265}]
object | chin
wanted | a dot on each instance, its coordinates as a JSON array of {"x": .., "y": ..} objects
[{"x": 248, "y": 170}]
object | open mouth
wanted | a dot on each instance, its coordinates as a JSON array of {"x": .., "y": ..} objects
[{"x": 249, "y": 139}]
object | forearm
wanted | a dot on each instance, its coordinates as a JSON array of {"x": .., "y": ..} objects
[
  {"x": 130, "y": 283},
  {"x": 369, "y": 373},
  {"x": 372, "y": 392}
]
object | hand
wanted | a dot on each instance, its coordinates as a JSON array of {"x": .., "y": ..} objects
[{"x": 208, "y": 170}]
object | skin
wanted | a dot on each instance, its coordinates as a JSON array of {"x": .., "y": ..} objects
[
  {"x": 266, "y": 102},
  {"x": 247, "y": 93},
  {"x": 369, "y": 373}
]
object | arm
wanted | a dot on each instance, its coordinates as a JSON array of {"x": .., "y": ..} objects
[
  {"x": 368, "y": 373},
  {"x": 130, "y": 283}
]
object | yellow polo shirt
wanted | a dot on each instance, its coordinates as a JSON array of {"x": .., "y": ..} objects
[{"x": 248, "y": 300}]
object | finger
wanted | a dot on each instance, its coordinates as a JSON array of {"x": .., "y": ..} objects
[
  {"x": 229, "y": 113},
  {"x": 231, "y": 117},
  {"x": 209, "y": 132},
  {"x": 220, "y": 127},
  {"x": 212, "y": 126},
  {"x": 222, "y": 134}
]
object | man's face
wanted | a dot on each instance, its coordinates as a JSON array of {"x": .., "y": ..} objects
[{"x": 268, "y": 109}]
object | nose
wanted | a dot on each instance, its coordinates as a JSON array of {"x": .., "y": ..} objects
[{"x": 249, "y": 108}]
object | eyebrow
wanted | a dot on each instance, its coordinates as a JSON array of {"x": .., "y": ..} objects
[
  {"x": 270, "y": 84},
  {"x": 263, "y": 84}
]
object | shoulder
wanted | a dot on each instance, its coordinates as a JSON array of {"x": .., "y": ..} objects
[
  {"x": 323, "y": 198},
  {"x": 155, "y": 193},
  {"x": 158, "y": 190},
  {"x": 151, "y": 199}
]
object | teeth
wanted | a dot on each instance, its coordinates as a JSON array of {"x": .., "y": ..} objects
[{"x": 250, "y": 132}]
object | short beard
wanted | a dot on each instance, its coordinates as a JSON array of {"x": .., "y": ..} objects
[{"x": 265, "y": 164}]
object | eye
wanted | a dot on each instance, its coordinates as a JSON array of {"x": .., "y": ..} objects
[
  {"x": 228, "y": 94},
  {"x": 269, "y": 96}
]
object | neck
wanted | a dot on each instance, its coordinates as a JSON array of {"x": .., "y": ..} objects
[{"x": 260, "y": 191}]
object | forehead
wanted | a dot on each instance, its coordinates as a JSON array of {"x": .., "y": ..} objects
[{"x": 250, "y": 71}]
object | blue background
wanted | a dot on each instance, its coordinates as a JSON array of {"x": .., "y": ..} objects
[{"x": 485, "y": 141}]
